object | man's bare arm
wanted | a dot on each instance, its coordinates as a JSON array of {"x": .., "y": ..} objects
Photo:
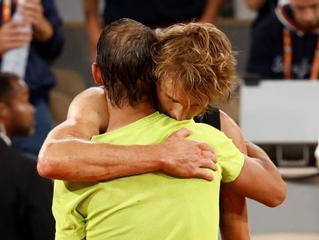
[
  {"x": 68, "y": 153},
  {"x": 233, "y": 208},
  {"x": 93, "y": 24},
  {"x": 211, "y": 10},
  {"x": 260, "y": 179},
  {"x": 255, "y": 5}
]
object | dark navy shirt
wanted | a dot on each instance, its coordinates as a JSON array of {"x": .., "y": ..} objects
[
  {"x": 38, "y": 75},
  {"x": 266, "y": 51},
  {"x": 267, "y": 10},
  {"x": 154, "y": 12},
  {"x": 26, "y": 198}
]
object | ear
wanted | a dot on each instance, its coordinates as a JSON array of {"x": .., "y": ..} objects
[{"x": 96, "y": 73}]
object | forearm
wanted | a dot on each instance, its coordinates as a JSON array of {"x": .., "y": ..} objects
[
  {"x": 267, "y": 165},
  {"x": 234, "y": 219},
  {"x": 268, "y": 187},
  {"x": 211, "y": 10},
  {"x": 43, "y": 31},
  {"x": 255, "y": 4},
  {"x": 233, "y": 209},
  {"x": 69, "y": 160},
  {"x": 92, "y": 23}
]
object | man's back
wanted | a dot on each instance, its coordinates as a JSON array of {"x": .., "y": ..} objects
[
  {"x": 25, "y": 209},
  {"x": 125, "y": 208}
]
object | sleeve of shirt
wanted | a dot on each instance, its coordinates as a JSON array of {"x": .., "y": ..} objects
[
  {"x": 50, "y": 49},
  {"x": 230, "y": 159},
  {"x": 70, "y": 224}
]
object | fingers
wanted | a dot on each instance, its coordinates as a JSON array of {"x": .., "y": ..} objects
[
  {"x": 16, "y": 38},
  {"x": 16, "y": 26},
  {"x": 208, "y": 163},
  {"x": 204, "y": 174},
  {"x": 14, "y": 35},
  {"x": 15, "y": 44},
  {"x": 31, "y": 7},
  {"x": 183, "y": 132},
  {"x": 205, "y": 147},
  {"x": 209, "y": 155},
  {"x": 32, "y": 11}
]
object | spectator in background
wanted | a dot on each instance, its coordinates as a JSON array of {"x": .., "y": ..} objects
[
  {"x": 46, "y": 45},
  {"x": 264, "y": 9},
  {"x": 26, "y": 204},
  {"x": 286, "y": 45},
  {"x": 158, "y": 13}
]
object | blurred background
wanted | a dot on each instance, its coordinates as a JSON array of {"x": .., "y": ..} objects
[{"x": 280, "y": 116}]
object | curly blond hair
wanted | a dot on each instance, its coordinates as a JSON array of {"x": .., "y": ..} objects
[{"x": 198, "y": 56}]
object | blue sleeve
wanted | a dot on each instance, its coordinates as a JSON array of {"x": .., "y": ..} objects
[{"x": 51, "y": 49}]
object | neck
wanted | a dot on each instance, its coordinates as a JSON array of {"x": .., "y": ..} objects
[{"x": 120, "y": 117}]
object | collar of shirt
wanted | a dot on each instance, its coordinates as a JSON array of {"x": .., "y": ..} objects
[{"x": 5, "y": 138}]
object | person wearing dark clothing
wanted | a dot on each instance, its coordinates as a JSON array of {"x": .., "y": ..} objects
[
  {"x": 26, "y": 201},
  {"x": 268, "y": 9},
  {"x": 46, "y": 45},
  {"x": 154, "y": 13},
  {"x": 284, "y": 46},
  {"x": 264, "y": 9}
]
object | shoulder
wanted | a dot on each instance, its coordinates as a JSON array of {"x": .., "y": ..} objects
[
  {"x": 228, "y": 125},
  {"x": 87, "y": 116},
  {"x": 212, "y": 136},
  {"x": 232, "y": 130},
  {"x": 230, "y": 159},
  {"x": 207, "y": 133},
  {"x": 89, "y": 106},
  {"x": 92, "y": 98},
  {"x": 94, "y": 92}
]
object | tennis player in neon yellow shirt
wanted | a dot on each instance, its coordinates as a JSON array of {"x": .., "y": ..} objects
[{"x": 152, "y": 205}]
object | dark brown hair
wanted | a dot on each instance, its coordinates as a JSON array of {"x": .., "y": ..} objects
[{"x": 125, "y": 61}]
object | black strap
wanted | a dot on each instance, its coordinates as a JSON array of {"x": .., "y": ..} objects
[{"x": 211, "y": 117}]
